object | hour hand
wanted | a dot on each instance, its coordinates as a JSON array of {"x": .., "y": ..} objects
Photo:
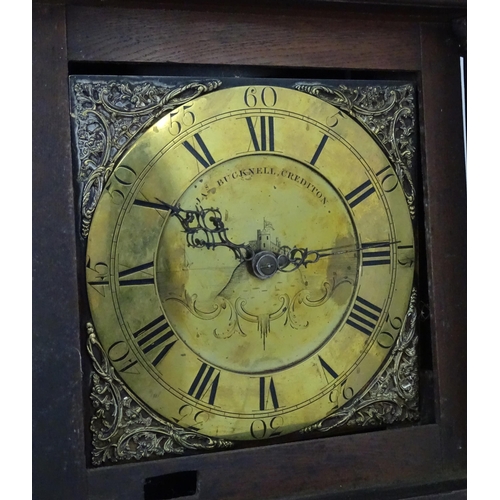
[
  {"x": 205, "y": 228},
  {"x": 292, "y": 258}
]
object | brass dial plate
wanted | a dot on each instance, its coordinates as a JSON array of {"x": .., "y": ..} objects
[{"x": 194, "y": 332}]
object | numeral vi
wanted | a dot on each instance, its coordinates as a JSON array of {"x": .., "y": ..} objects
[{"x": 267, "y": 394}]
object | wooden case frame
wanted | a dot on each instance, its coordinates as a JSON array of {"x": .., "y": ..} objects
[{"x": 416, "y": 36}]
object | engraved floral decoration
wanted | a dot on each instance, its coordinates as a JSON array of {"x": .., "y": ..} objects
[
  {"x": 108, "y": 115},
  {"x": 124, "y": 429},
  {"x": 236, "y": 310},
  {"x": 389, "y": 113},
  {"x": 392, "y": 395}
]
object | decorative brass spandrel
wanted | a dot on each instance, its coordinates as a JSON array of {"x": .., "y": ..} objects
[
  {"x": 388, "y": 111},
  {"x": 123, "y": 428},
  {"x": 181, "y": 273},
  {"x": 392, "y": 396},
  {"x": 108, "y": 115}
]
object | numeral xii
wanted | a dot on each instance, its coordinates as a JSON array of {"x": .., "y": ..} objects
[{"x": 265, "y": 140}]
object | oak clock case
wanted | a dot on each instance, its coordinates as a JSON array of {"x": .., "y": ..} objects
[{"x": 249, "y": 269}]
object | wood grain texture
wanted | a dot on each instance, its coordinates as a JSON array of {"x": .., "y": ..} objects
[
  {"x": 248, "y": 38},
  {"x": 366, "y": 464},
  {"x": 446, "y": 231},
  {"x": 293, "y": 470},
  {"x": 58, "y": 453},
  {"x": 290, "y": 3}
]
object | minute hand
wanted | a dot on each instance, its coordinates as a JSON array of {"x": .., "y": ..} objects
[{"x": 297, "y": 257}]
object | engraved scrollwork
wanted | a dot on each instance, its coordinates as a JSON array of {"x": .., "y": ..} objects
[
  {"x": 393, "y": 395},
  {"x": 389, "y": 113},
  {"x": 122, "y": 428},
  {"x": 108, "y": 115}
]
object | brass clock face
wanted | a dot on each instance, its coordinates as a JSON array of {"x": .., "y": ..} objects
[{"x": 249, "y": 262}]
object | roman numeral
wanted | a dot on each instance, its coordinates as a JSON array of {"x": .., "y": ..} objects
[
  {"x": 360, "y": 193},
  {"x": 123, "y": 276},
  {"x": 204, "y": 157},
  {"x": 327, "y": 369},
  {"x": 319, "y": 150},
  {"x": 267, "y": 391},
  {"x": 156, "y": 334},
  {"x": 364, "y": 316},
  {"x": 205, "y": 382},
  {"x": 266, "y": 140},
  {"x": 376, "y": 256}
]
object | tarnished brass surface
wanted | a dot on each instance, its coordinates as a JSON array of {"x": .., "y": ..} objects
[
  {"x": 193, "y": 331},
  {"x": 123, "y": 428},
  {"x": 108, "y": 116},
  {"x": 389, "y": 113},
  {"x": 392, "y": 396}
]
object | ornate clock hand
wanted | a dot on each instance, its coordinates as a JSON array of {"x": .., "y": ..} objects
[
  {"x": 205, "y": 228},
  {"x": 297, "y": 257}
]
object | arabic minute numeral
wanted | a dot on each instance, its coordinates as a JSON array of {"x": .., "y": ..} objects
[
  {"x": 389, "y": 181},
  {"x": 344, "y": 391},
  {"x": 181, "y": 118},
  {"x": 408, "y": 261},
  {"x": 125, "y": 176},
  {"x": 119, "y": 354},
  {"x": 267, "y": 97},
  {"x": 100, "y": 277},
  {"x": 385, "y": 339},
  {"x": 262, "y": 428},
  {"x": 191, "y": 418}
]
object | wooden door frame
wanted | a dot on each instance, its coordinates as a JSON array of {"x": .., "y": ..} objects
[{"x": 414, "y": 36}]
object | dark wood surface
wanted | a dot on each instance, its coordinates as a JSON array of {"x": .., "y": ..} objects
[
  {"x": 249, "y": 38},
  {"x": 293, "y": 470},
  {"x": 398, "y": 463},
  {"x": 58, "y": 451},
  {"x": 446, "y": 232}
]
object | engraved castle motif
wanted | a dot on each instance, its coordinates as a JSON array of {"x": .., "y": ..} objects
[{"x": 264, "y": 239}]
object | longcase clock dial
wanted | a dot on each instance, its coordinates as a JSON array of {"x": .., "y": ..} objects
[{"x": 249, "y": 262}]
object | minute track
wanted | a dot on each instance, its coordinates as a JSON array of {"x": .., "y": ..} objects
[{"x": 232, "y": 312}]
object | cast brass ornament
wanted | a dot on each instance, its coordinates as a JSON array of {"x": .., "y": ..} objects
[
  {"x": 389, "y": 112},
  {"x": 393, "y": 395},
  {"x": 249, "y": 267},
  {"x": 122, "y": 428},
  {"x": 108, "y": 115}
]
